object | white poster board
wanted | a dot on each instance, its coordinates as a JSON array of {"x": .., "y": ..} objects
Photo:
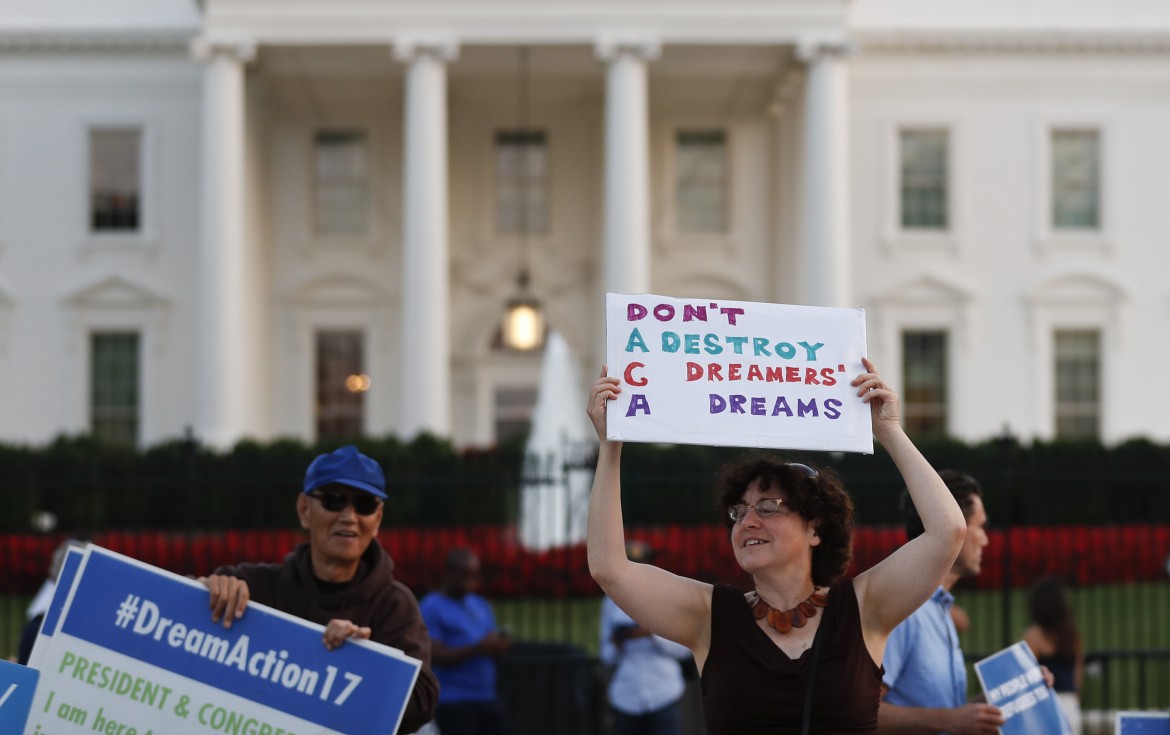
[
  {"x": 130, "y": 649},
  {"x": 1012, "y": 680},
  {"x": 736, "y": 373}
]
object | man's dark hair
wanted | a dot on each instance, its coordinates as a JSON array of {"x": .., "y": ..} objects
[
  {"x": 965, "y": 489},
  {"x": 459, "y": 559}
]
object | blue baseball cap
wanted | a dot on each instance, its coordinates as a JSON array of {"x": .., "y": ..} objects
[{"x": 346, "y": 466}]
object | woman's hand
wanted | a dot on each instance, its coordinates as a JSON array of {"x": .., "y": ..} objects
[
  {"x": 884, "y": 408},
  {"x": 604, "y": 390}
]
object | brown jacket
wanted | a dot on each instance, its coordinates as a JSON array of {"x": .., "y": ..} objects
[{"x": 374, "y": 598}]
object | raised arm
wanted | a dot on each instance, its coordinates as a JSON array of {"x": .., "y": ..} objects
[
  {"x": 898, "y": 586},
  {"x": 666, "y": 604}
]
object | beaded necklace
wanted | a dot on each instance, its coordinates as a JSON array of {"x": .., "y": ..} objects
[{"x": 783, "y": 621}]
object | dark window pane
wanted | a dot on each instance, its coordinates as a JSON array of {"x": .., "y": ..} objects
[
  {"x": 1076, "y": 179},
  {"x": 522, "y": 181},
  {"x": 341, "y": 160},
  {"x": 924, "y": 179},
  {"x": 341, "y": 384},
  {"x": 114, "y": 387},
  {"x": 924, "y": 375},
  {"x": 1078, "y": 383},
  {"x": 513, "y": 409},
  {"x": 701, "y": 181},
  {"x": 115, "y": 179}
]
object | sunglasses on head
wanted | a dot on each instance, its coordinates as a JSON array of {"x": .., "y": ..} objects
[{"x": 336, "y": 501}]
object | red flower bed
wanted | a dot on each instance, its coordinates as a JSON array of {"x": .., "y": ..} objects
[{"x": 1085, "y": 555}]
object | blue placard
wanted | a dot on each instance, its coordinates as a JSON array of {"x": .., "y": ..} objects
[
  {"x": 65, "y": 578},
  {"x": 136, "y": 644},
  {"x": 1143, "y": 723},
  {"x": 1012, "y": 680},
  {"x": 17, "y": 686}
]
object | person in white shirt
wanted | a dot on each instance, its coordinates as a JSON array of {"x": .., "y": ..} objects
[{"x": 647, "y": 682}]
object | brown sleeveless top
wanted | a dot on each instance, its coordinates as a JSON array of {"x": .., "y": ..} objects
[{"x": 750, "y": 686}]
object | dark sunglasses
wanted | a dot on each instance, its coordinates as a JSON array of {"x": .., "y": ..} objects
[{"x": 335, "y": 501}]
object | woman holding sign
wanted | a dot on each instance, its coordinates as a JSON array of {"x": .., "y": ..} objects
[
  {"x": 1056, "y": 640},
  {"x": 801, "y": 652}
]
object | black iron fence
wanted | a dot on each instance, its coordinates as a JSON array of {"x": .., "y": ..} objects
[
  {"x": 1099, "y": 518},
  {"x": 81, "y": 485}
]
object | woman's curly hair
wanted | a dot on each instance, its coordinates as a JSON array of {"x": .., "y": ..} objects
[{"x": 821, "y": 500}]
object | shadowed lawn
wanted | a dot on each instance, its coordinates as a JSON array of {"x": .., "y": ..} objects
[{"x": 1112, "y": 618}]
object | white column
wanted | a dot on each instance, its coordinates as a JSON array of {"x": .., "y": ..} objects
[
  {"x": 627, "y": 166},
  {"x": 425, "y": 381},
  {"x": 825, "y": 252},
  {"x": 225, "y": 390}
]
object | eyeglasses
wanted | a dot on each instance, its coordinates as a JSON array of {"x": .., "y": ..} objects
[
  {"x": 335, "y": 501},
  {"x": 764, "y": 508},
  {"x": 768, "y": 506}
]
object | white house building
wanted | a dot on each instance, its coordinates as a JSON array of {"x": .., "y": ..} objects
[{"x": 259, "y": 218}]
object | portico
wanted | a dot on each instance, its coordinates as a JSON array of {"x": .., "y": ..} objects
[{"x": 424, "y": 282}]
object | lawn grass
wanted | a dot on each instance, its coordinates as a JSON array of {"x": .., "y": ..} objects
[
  {"x": 11, "y": 622},
  {"x": 1112, "y": 619},
  {"x": 573, "y": 621}
]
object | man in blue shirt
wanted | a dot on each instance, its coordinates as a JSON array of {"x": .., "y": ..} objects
[
  {"x": 925, "y": 682},
  {"x": 464, "y": 646}
]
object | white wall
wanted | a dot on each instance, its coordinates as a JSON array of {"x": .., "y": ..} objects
[
  {"x": 1012, "y": 15},
  {"x": 63, "y": 281},
  {"x": 1012, "y": 280},
  {"x": 996, "y": 74}
]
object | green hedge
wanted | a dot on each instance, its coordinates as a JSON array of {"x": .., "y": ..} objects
[
  {"x": 180, "y": 485},
  {"x": 183, "y": 486},
  {"x": 1040, "y": 483}
]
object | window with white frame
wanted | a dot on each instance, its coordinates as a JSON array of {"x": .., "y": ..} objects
[
  {"x": 701, "y": 181},
  {"x": 114, "y": 387},
  {"x": 923, "y": 177},
  {"x": 1077, "y": 353},
  {"x": 115, "y": 180},
  {"x": 341, "y": 161},
  {"x": 522, "y": 181},
  {"x": 513, "y": 411},
  {"x": 924, "y": 380},
  {"x": 341, "y": 384},
  {"x": 1076, "y": 179}
]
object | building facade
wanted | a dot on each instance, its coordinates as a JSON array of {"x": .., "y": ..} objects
[{"x": 256, "y": 218}]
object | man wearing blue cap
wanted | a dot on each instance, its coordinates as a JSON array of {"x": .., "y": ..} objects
[{"x": 341, "y": 578}]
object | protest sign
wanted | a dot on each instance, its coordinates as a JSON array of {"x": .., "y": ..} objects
[
  {"x": 1142, "y": 723},
  {"x": 1012, "y": 680},
  {"x": 736, "y": 373},
  {"x": 135, "y": 653},
  {"x": 17, "y": 686}
]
